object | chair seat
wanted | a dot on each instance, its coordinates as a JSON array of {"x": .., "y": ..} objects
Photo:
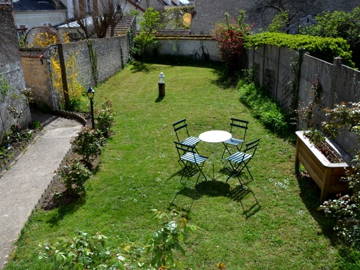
[
  {"x": 238, "y": 157},
  {"x": 193, "y": 158},
  {"x": 191, "y": 141},
  {"x": 234, "y": 141}
]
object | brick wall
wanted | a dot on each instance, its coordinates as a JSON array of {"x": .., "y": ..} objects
[{"x": 13, "y": 100}]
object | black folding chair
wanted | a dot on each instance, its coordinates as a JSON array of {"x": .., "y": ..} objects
[
  {"x": 239, "y": 124},
  {"x": 240, "y": 160},
  {"x": 190, "y": 159},
  {"x": 180, "y": 128}
]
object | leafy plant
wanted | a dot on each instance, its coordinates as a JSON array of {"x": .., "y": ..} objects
[
  {"x": 105, "y": 119},
  {"x": 148, "y": 27},
  {"x": 4, "y": 87},
  {"x": 73, "y": 175},
  {"x": 264, "y": 108},
  {"x": 325, "y": 48},
  {"x": 339, "y": 24},
  {"x": 88, "y": 144},
  {"x": 346, "y": 208},
  {"x": 230, "y": 38},
  {"x": 84, "y": 251},
  {"x": 279, "y": 22}
]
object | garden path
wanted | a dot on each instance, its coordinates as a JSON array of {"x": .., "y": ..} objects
[{"x": 23, "y": 184}]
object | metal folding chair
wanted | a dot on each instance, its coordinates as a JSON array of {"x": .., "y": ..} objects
[
  {"x": 239, "y": 124},
  {"x": 240, "y": 160},
  {"x": 190, "y": 159},
  {"x": 180, "y": 128}
]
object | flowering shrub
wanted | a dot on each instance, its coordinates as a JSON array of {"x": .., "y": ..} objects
[
  {"x": 88, "y": 144},
  {"x": 346, "y": 208},
  {"x": 230, "y": 38},
  {"x": 73, "y": 175},
  {"x": 105, "y": 119}
]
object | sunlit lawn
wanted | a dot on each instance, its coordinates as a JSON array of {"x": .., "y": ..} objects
[{"x": 138, "y": 173}]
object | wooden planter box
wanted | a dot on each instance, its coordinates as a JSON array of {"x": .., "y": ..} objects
[{"x": 325, "y": 174}]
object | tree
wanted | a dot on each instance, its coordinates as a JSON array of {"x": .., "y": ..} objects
[
  {"x": 148, "y": 27},
  {"x": 339, "y": 24},
  {"x": 104, "y": 17}
]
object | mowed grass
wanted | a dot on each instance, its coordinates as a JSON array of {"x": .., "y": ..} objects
[{"x": 138, "y": 173}]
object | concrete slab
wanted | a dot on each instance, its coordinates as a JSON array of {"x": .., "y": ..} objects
[{"x": 22, "y": 186}]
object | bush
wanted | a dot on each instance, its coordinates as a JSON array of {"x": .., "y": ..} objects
[
  {"x": 105, "y": 119},
  {"x": 264, "y": 108},
  {"x": 230, "y": 38},
  {"x": 73, "y": 175},
  {"x": 88, "y": 144},
  {"x": 325, "y": 48},
  {"x": 83, "y": 251},
  {"x": 339, "y": 24},
  {"x": 279, "y": 22}
]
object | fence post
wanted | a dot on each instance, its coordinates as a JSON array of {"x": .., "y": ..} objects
[
  {"x": 63, "y": 75},
  {"x": 335, "y": 73}
]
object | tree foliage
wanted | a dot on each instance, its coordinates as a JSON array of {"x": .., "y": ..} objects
[
  {"x": 339, "y": 24},
  {"x": 146, "y": 39},
  {"x": 279, "y": 22}
]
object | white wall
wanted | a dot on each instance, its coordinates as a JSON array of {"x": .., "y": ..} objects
[
  {"x": 39, "y": 17},
  {"x": 189, "y": 47}
]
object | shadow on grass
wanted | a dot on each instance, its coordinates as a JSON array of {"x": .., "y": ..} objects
[
  {"x": 138, "y": 66},
  {"x": 225, "y": 80},
  {"x": 66, "y": 209},
  {"x": 159, "y": 99},
  {"x": 310, "y": 194},
  {"x": 214, "y": 188}
]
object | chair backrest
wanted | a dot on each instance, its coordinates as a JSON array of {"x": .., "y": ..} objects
[
  {"x": 183, "y": 148},
  {"x": 241, "y": 124},
  {"x": 179, "y": 126},
  {"x": 251, "y": 147}
]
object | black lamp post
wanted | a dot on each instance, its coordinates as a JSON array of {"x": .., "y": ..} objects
[{"x": 90, "y": 93}]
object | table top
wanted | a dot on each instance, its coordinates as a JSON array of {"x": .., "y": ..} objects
[{"x": 215, "y": 136}]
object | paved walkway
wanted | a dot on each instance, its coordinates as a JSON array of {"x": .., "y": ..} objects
[{"x": 22, "y": 186}]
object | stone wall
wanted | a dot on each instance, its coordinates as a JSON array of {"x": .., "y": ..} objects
[
  {"x": 14, "y": 108},
  {"x": 275, "y": 70},
  {"x": 109, "y": 55},
  {"x": 196, "y": 48}
]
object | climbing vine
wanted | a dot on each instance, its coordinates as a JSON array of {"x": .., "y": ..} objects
[
  {"x": 93, "y": 61},
  {"x": 4, "y": 87},
  {"x": 75, "y": 88}
]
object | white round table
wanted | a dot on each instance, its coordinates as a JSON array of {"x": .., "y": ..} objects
[{"x": 215, "y": 136}]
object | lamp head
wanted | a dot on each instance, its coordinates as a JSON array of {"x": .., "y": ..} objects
[
  {"x": 162, "y": 77},
  {"x": 90, "y": 93}
]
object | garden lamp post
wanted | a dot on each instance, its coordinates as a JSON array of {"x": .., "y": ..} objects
[
  {"x": 161, "y": 85},
  {"x": 90, "y": 93}
]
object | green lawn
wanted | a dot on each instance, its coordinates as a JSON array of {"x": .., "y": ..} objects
[{"x": 138, "y": 173}]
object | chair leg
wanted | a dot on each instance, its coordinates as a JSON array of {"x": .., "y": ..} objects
[
  {"x": 252, "y": 178},
  {"x": 201, "y": 171},
  {"x": 226, "y": 149}
]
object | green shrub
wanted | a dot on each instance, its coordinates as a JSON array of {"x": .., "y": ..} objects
[
  {"x": 88, "y": 144},
  {"x": 73, "y": 175},
  {"x": 105, "y": 119},
  {"x": 279, "y": 22},
  {"x": 339, "y": 24},
  {"x": 325, "y": 48},
  {"x": 83, "y": 251},
  {"x": 264, "y": 108}
]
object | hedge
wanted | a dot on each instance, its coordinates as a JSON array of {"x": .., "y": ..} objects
[{"x": 325, "y": 48}]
